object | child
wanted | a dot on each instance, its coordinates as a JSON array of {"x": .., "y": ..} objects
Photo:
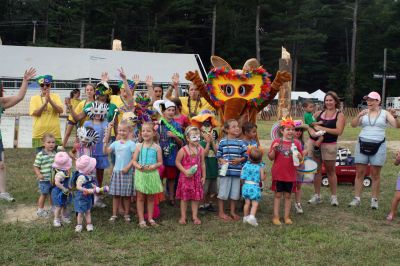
[
  {"x": 396, "y": 197},
  {"x": 85, "y": 188},
  {"x": 146, "y": 160},
  {"x": 181, "y": 119},
  {"x": 231, "y": 153},
  {"x": 42, "y": 167},
  {"x": 308, "y": 107},
  {"x": 283, "y": 169},
  {"x": 171, "y": 138},
  {"x": 299, "y": 135},
  {"x": 252, "y": 174},
  {"x": 71, "y": 103},
  {"x": 60, "y": 194},
  {"x": 86, "y": 138},
  {"x": 97, "y": 114},
  {"x": 250, "y": 134},
  {"x": 121, "y": 185},
  {"x": 190, "y": 162}
]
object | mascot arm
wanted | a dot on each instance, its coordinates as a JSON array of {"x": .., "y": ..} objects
[
  {"x": 280, "y": 78},
  {"x": 195, "y": 78}
]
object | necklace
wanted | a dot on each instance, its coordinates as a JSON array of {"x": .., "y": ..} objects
[
  {"x": 191, "y": 153},
  {"x": 376, "y": 118},
  {"x": 285, "y": 151},
  {"x": 145, "y": 157}
]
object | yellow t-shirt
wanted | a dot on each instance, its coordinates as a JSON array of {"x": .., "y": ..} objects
[
  {"x": 79, "y": 109},
  {"x": 203, "y": 106},
  {"x": 49, "y": 120},
  {"x": 116, "y": 99}
]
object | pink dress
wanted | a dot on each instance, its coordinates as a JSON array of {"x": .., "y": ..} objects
[{"x": 190, "y": 188}]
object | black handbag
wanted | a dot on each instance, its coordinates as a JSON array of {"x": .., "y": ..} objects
[{"x": 369, "y": 148}]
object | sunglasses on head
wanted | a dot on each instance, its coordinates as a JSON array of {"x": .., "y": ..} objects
[{"x": 47, "y": 85}]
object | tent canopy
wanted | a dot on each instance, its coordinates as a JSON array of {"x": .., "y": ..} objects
[
  {"x": 318, "y": 94},
  {"x": 77, "y": 63},
  {"x": 296, "y": 94}
]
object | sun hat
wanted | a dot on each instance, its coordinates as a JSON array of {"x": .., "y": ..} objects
[
  {"x": 131, "y": 84},
  {"x": 62, "y": 161},
  {"x": 44, "y": 79},
  {"x": 85, "y": 164},
  {"x": 203, "y": 116},
  {"x": 166, "y": 103},
  {"x": 373, "y": 95}
]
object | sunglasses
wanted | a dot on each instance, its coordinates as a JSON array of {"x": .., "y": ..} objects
[{"x": 47, "y": 85}]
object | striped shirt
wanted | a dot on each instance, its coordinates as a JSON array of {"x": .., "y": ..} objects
[
  {"x": 44, "y": 161},
  {"x": 229, "y": 149}
]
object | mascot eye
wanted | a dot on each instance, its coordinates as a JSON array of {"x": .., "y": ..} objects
[
  {"x": 245, "y": 89},
  {"x": 228, "y": 89}
]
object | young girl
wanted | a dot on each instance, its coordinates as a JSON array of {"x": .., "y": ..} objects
[
  {"x": 396, "y": 197},
  {"x": 231, "y": 154},
  {"x": 121, "y": 185},
  {"x": 85, "y": 188},
  {"x": 299, "y": 135},
  {"x": 181, "y": 119},
  {"x": 252, "y": 174},
  {"x": 190, "y": 162},
  {"x": 86, "y": 138},
  {"x": 60, "y": 194},
  {"x": 42, "y": 167},
  {"x": 97, "y": 114},
  {"x": 283, "y": 169},
  {"x": 171, "y": 138},
  {"x": 71, "y": 103},
  {"x": 146, "y": 160}
]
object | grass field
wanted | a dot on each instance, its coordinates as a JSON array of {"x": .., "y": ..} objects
[{"x": 322, "y": 235}]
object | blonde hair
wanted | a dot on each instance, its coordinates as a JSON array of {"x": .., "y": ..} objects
[
  {"x": 48, "y": 136},
  {"x": 190, "y": 129}
]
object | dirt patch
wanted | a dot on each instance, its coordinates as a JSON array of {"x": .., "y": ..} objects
[{"x": 20, "y": 213}]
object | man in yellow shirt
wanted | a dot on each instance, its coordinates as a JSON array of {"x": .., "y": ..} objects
[{"x": 45, "y": 110}]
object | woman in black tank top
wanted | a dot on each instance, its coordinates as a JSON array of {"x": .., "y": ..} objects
[{"x": 333, "y": 122}]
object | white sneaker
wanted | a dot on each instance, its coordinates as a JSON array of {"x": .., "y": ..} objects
[
  {"x": 42, "y": 213},
  {"x": 316, "y": 199},
  {"x": 355, "y": 203},
  {"x": 89, "y": 227},
  {"x": 298, "y": 208},
  {"x": 252, "y": 220},
  {"x": 78, "y": 228},
  {"x": 56, "y": 223},
  {"x": 6, "y": 196},
  {"x": 374, "y": 204},
  {"x": 65, "y": 220},
  {"x": 99, "y": 204},
  {"x": 334, "y": 201},
  {"x": 245, "y": 218}
]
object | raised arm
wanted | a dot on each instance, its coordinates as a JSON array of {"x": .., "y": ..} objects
[
  {"x": 391, "y": 117},
  {"x": 10, "y": 101},
  {"x": 355, "y": 122},
  {"x": 122, "y": 75}
]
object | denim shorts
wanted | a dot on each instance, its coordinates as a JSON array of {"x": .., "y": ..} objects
[
  {"x": 229, "y": 188},
  {"x": 378, "y": 159},
  {"x": 45, "y": 187}
]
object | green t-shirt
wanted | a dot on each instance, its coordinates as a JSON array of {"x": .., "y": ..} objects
[
  {"x": 110, "y": 113},
  {"x": 309, "y": 118},
  {"x": 211, "y": 163}
]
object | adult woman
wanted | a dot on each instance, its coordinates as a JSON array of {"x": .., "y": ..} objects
[
  {"x": 45, "y": 109},
  {"x": 7, "y": 102},
  {"x": 332, "y": 121},
  {"x": 193, "y": 104},
  {"x": 371, "y": 146}
]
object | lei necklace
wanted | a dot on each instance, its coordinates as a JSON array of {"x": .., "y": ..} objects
[{"x": 172, "y": 129}]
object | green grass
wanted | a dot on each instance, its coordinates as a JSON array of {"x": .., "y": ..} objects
[{"x": 323, "y": 235}]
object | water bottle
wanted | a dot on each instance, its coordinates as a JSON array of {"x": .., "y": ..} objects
[
  {"x": 295, "y": 154},
  {"x": 193, "y": 169},
  {"x": 224, "y": 169}
]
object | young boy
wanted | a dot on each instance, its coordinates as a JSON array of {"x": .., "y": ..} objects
[
  {"x": 42, "y": 167},
  {"x": 308, "y": 107},
  {"x": 231, "y": 155}
]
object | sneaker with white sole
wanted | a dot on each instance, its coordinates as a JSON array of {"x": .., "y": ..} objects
[
  {"x": 245, "y": 218},
  {"x": 56, "y": 223},
  {"x": 298, "y": 208},
  {"x": 374, "y": 204},
  {"x": 42, "y": 213},
  {"x": 252, "y": 220},
  {"x": 316, "y": 199},
  {"x": 6, "y": 196},
  {"x": 89, "y": 227},
  {"x": 78, "y": 228},
  {"x": 355, "y": 203},
  {"x": 334, "y": 201},
  {"x": 65, "y": 220},
  {"x": 99, "y": 204}
]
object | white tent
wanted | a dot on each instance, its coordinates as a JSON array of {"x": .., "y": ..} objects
[
  {"x": 296, "y": 94},
  {"x": 318, "y": 94},
  {"x": 77, "y": 63}
]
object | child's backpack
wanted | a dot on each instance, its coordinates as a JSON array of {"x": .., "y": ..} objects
[{"x": 72, "y": 180}]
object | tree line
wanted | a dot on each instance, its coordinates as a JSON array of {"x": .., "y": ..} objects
[{"x": 317, "y": 33}]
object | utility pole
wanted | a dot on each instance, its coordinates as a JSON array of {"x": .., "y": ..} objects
[
  {"x": 82, "y": 41},
  {"x": 34, "y": 31},
  {"x": 213, "y": 30},
  {"x": 258, "y": 33},
  {"x": 384, "y": 76},
  {"x": 351, "y": 91}
]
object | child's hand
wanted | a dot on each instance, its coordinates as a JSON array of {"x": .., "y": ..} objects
[
  {"x": 104, "y": 76},
  {"x": 149, "y": 81},
  {"x": 171, "y": 135},
  {"x": 236, "y": 161},
  {"x": 40, "y": 177},
  {"x": 125, "y": 170},
  {"x": 275, "y": 146},
  {"x": 207, "y": 137},
  {"x": 188, "y": 173},
  {"x": 203, "y": 180},
  {"x": 122, "y": 73},
  {"x": 222, "y": 161},
  {"x": 175, "y": 80}
]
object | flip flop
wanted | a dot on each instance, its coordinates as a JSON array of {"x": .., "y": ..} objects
[
  {"x": 225, "y": 218},
  {"x": 235, "y": 217}
]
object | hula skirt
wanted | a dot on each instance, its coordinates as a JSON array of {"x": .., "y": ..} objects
[{"x": 148, "y": 182}]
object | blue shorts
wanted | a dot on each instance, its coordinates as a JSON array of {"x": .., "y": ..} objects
[
  {"x": 378, "y": 159},
  {"x": 251, "y": 191},
  {"x": 229, "y": 188},
  {"x": 45, "y": 187}
]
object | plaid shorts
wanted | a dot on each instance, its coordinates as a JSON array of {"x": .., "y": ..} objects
[{"x": 121, "y": 184}]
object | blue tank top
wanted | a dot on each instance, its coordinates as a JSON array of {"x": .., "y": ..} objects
[{"x": 373, "y": 128}]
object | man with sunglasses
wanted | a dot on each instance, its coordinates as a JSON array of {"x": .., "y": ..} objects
[{"x": 45, "y": 110}]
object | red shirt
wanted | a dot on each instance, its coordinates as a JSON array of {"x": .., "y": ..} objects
[{"x": 283, "y": 168}]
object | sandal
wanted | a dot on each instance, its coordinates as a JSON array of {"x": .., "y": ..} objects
[
  {"x": 153, "y": 223},
  {"x": 225, "y": 218},
  {"x": 113, "y": 218},
  {"x": 182, "y": 222},
  {"x": 197, "y": 221},
  {"x": 127, "y": 218},
  {"x": 143, "y": 224}
]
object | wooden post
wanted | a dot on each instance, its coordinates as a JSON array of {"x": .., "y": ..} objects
[{"x": 284, "y": 98}]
